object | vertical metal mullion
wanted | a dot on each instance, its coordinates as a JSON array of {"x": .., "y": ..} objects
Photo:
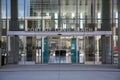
[
  {"x": 94, "y": 7},
  {"x": 59, "y": 13},
  {"x": 24, "y": 15},
  {"x": 7, "y": 31},
  {"x": 42, "y": 15},
  {"x": 77, "y": 30},
  {"x": 59, "y": 23},
  {"x": 94, "y": 27},
  {"x": 24, "y": 30},
  {"x": 42, "y": 30},
  {"x": 76, "y": 15},
  {"x": 112, "y": 27}
]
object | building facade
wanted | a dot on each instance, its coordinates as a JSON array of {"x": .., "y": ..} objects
[{"x": 60, "y": 31}]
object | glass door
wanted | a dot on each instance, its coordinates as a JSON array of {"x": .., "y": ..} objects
[
  {"x": 60, "y": 49},
  {"x": 27, "y": 49},
  {"x": 22, "y": 50},
  {"x": 89, "y": 49},
  {"x": 38, "y": 49}
]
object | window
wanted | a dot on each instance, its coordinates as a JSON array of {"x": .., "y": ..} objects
[{"x": 4, "y": 24}]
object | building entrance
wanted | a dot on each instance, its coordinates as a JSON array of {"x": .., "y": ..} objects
[{"x": 59, "y": 49}]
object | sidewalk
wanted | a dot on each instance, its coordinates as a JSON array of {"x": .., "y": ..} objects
[
  {"x": 59, "y": 72},
  {"x": 66, "y": 67}
]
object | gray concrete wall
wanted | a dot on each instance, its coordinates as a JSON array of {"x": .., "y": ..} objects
[
  {"x": 105, "y": 40},
  {"x": 14, "y": 40},
  {"x": 14, "y": 16},
  {"x": 118, "y": 33},
  {"x": 14, "y": 52},
  {"x": 0, "y": 32}
]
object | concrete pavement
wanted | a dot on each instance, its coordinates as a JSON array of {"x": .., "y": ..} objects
[{"x": 59, "y": 72}]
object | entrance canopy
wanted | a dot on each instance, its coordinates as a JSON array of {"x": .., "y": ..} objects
[{"x": 48, "y": 33}]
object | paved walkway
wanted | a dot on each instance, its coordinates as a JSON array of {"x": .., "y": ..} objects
[{"x": 59, "y": 72}]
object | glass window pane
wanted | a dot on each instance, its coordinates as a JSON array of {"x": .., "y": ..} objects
[{"x": 68, "y": 9}]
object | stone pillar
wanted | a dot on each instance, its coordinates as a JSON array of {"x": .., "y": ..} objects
[
  {"x": 26, "y": 25},
  {"x": 77, "y": 50},
  {"x": 14, "y": 52},
  {"x": 42, "y": 52},
  {"x": 14, "y": 16},
  {"x": 43, "y": 25},
  {"x": 105, "y": 40},
  {"x": 97, "y": 58},
  {"x": 106, "y": 15},
  {"x": 106, "y": 49},
  {"x": 0, "y": 33},
  {"x": 118, "y": 33},
  {"x": 14, "y": 40}
]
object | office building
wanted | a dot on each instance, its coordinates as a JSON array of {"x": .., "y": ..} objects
[{"x": 60, "y": 31}]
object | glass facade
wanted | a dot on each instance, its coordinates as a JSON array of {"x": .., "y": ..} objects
[{"x": 85, "y": 16}]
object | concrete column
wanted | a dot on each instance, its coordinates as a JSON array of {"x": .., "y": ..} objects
[
  {"x": 24, "y": 50},
  {"x": 0, "y": 32},
  {"x": 42, "y": 50},
  {"x": 77, "y": 57},
  {"x": 43, "y": 25},
  {"x": 14, "y": 51},
  {"x": 97, "y": 59},
  {"x": 106, "y": 15},
  {"x": 8, "y": 24},
  {"x": 38, "y": 26},
  {"x": 118, "y": 33},
  {"x": 105, "y": 41},
  {"x": 14, "y": 16},
  {"x": 14, "y": 40},
  {"x": 106, "y": 49},
  {"x": 26, "y": 25}
]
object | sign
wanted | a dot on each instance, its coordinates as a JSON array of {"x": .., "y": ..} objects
[{"x": 73, "y": 46}]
